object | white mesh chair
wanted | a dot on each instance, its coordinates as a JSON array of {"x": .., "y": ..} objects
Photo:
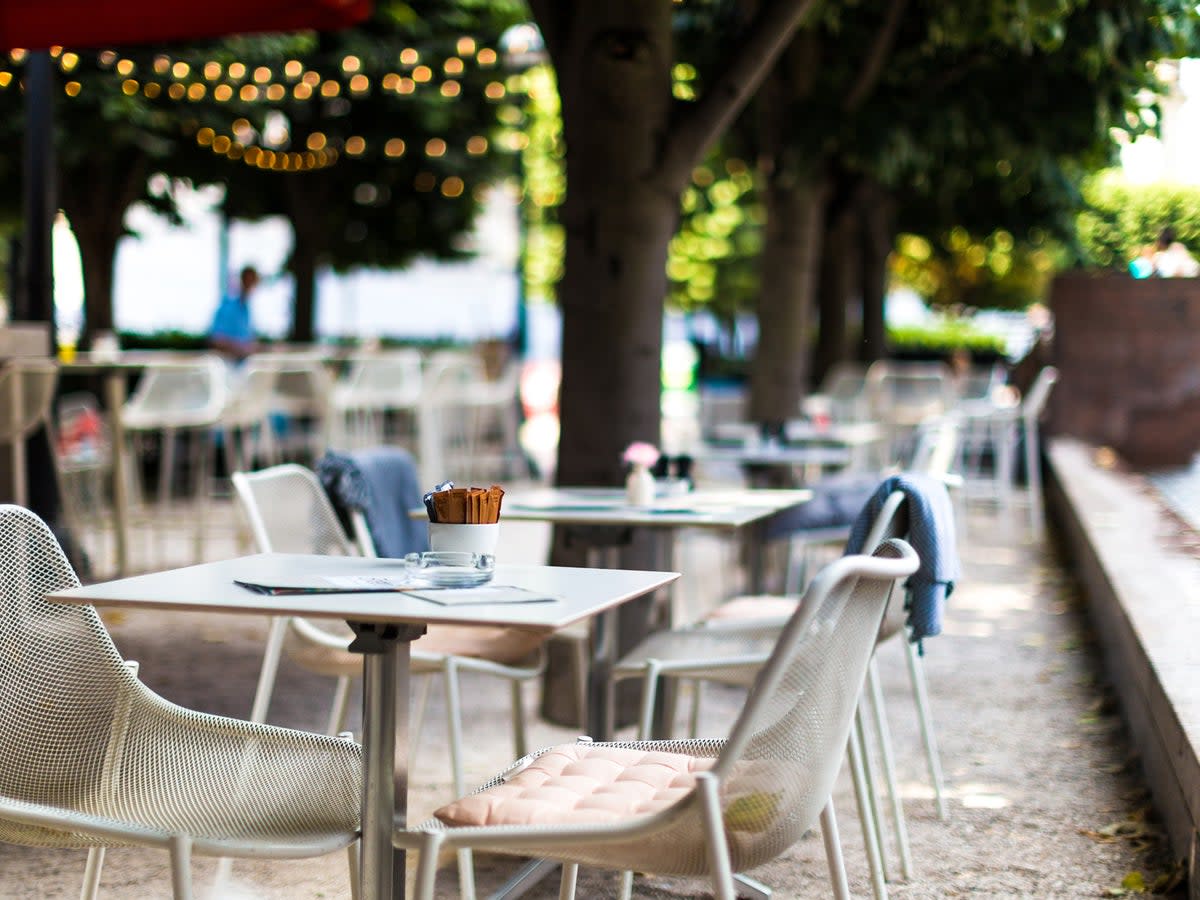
[
  {"x": 731, "y": 645},
  {"x": 289, "y": 512},
  {"x": 699, "y": 807},
  {"x": 301, "y": 393},
  {"x": 93, "y": 758},
  {"x": 902, "y": 395}
]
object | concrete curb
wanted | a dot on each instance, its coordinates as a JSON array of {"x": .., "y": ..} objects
[{"x": 1144, "y": 601}]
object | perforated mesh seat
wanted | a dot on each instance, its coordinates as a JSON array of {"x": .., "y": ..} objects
[
  {"x": 92, "y": 757},
  {"x": 767, "y": 782}
]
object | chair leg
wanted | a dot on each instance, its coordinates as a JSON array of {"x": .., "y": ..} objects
[
  {"x": 833, "y": 853},
  {"x": 520, "y": 741},
  {"x": 341, "y": 706},
  {"x": 714, "y": 833},
  {"x": 266, "y": 673},
  {"x": 582, "y": 662},
  {"x": 649, "y": 693},
  {"x": 697, "y": 701},
  {"x": 427, "y": 865},
  {"x": 454, "y": 725},
  {"x": 91, "y": 874},
  {"x": 566, "y": 887},
  {"x": 916, "y": 674},
  {"x": 466, "y": 863},
  {"x": 625, "y": 892},
  {"x": 1033, "y": 477},
  {"x": 870, "y": 835},
  {"x": 871, "y": 781},
  {"x": 181, "y": 867},
  {"x": 352, "y": 853},
  {"x": 418, "y": 711},
  {"x": 883, "y": 733}
]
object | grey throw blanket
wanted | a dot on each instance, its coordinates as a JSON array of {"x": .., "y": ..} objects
[
  {"x": 382, "y": 483},
  {"x": 931, "y": 534}
]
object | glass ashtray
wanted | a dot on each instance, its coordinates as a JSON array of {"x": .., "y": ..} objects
[{"x": 451, "y": 568}]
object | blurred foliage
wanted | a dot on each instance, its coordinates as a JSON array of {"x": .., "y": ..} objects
[
  {"x": 943, "y": 336},
  {"x": 538, "y": 136},
  {"x": 961, "y": 271},
  {"x": 713, "y": 259},
  {"x": 1119, "y": 217}
]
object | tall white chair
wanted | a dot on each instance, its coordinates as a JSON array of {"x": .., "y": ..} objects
[
  {"x": 902, "y": 395},
  {"x": 94, "y": 759},
  {"x": 1033, "y": 406},
  {"x": 179, "y": 398},
  {"x": 26, "y": 397},
  {"x": 700, "y": 807},
  {"x": 289, "y": 512},
  {"x": 300, "y": 396}
]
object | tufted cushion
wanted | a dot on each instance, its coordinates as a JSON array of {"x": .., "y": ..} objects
[
  {"x": 754, "y": 606},
  {"x": 577, "y": 784}
]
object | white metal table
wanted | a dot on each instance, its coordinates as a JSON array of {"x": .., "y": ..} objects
[{"x": 384, "y": 624}]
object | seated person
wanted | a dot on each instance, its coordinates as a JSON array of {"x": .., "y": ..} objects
[
  {"x": 1172, "y": 259},
  {"x": 231, "y": 333}
]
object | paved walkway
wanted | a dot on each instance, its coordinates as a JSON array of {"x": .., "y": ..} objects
[{"x": 1045, "y": 800}]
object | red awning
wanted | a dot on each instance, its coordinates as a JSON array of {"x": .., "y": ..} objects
[{"x": 36, "y": 24}]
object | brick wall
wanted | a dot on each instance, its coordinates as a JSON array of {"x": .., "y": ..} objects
[{"x": 1128, "y": 354}]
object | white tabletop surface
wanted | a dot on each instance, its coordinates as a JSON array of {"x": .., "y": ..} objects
[
  {"x": 210, "y": 587},
  {"x": 775, "y": 454},
  {"x": 713, "y": 508}
]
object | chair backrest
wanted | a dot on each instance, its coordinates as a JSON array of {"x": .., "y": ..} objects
[
  {"x": 845, "y": 385},
  {"x": 1034, "y": 401},
  {"x": 62, "y": 681},
  {"x": 779, "y": 764},
  {"x": 936, "y": 448},
  {"x": 391, "y": 378},
  {"x": 289, "y": 512},
  {"x": 179, "y": 393},
  {"x": 909, "y": 391}
]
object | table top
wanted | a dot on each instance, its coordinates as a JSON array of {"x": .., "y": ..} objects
[
  {"x": 209, "y": 587},
  {"x": 712, "y": 508},
  {"x": 127, "y": 359}
]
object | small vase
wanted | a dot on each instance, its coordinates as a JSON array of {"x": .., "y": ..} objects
[{"x": 639, "y": 486}]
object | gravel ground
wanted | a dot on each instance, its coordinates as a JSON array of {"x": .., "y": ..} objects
[{"x": 1045, "y": 797}]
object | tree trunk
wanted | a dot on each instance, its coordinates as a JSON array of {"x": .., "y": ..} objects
[
  {"x": 837, "y": 288},
  {"x": 304, "y": 198},
  {"x": 877, "y": 241},
  {"x": 303, "y": 266},
  {"x": 790, "y": 255},
  {"x": 95, "y": 206}
]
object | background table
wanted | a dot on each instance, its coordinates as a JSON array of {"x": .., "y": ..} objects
[{"x": 385, "y": 624}]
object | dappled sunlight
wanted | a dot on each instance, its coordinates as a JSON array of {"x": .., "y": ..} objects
[
  {"x": 978, "y": 795},
  {"x": 993, "y": 600},
  {"x": 968, "y": 629}
]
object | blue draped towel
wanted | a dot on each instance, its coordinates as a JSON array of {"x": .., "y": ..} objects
[
  {"x": 931, "y": 534},
  {"x": 382, "y": 483}
]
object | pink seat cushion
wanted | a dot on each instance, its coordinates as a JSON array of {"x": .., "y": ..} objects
[
  {"x": 758, "y": 606},
  {"x": 577, "y": 784},
  {"x": 498, "y": 644}
]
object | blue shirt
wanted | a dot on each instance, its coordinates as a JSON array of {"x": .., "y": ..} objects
[{"x": 232, "y": 321}]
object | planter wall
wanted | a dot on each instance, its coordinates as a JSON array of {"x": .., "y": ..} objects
[{"x": 1128, "y": 354}]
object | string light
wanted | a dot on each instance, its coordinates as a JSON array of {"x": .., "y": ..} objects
[
  {"x": 237, "y": 71},
  {"x": 69, "y": 61},
  {"x": 359, "y": 84},
  {"x": 477, "y": 145},
  {"x": 292, "y": 68},
  {"x": 5, "y": 79},
  {"x": 152, "y": 89},
  {"x": 351, "y": 64},
  {"x": 422, "y": 74},
  {"x": 222, "y": 93},
  {"x": 356, "y": 145},
  {"x": 302, "y": 91},
  {"x": 316, "y": 141},
  {"x": 331, "y": 88},
  {"x": 176, "y": 91},
  {"x": 179, "y": 70},
  {"x": 196, "y": 92},
  {"x": 486, "y": 57},
  {"x": 72, "y": 88},
  {"x": 212, "y": 70},
  {"x": 453, "y": 66},
  {"x": 276, "y": 92},
  {"x": 129, "y": 87},
  {"x": 494, "y": 91},
  {"x": 394, "y": 147},
  {"x": 125, "y": 67},
  {"x": 435, "y": 147},
  {"x": 465, "y": 46},
  {"x": 452, "y": 187},
  {"x": 409, "y": 56},
  {"x": 262, "y": 75}
]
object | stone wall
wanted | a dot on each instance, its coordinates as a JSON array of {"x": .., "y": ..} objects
[{"x": 1128, "y": 354}]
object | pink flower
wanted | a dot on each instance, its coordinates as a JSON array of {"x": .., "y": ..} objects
[{"x": 640, "y": 453}]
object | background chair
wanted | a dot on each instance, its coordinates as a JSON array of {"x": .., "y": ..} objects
[
  {"x": 289, "y": 512},
  {"x": 731, "y": 645},
  {"x": 177, "y": 398},
  {"x": 376, "y": 386},
  {"x": 706, "y": 808},
  {"x": 93, "y": 758},
  {"x": 26, "y": 397}
]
